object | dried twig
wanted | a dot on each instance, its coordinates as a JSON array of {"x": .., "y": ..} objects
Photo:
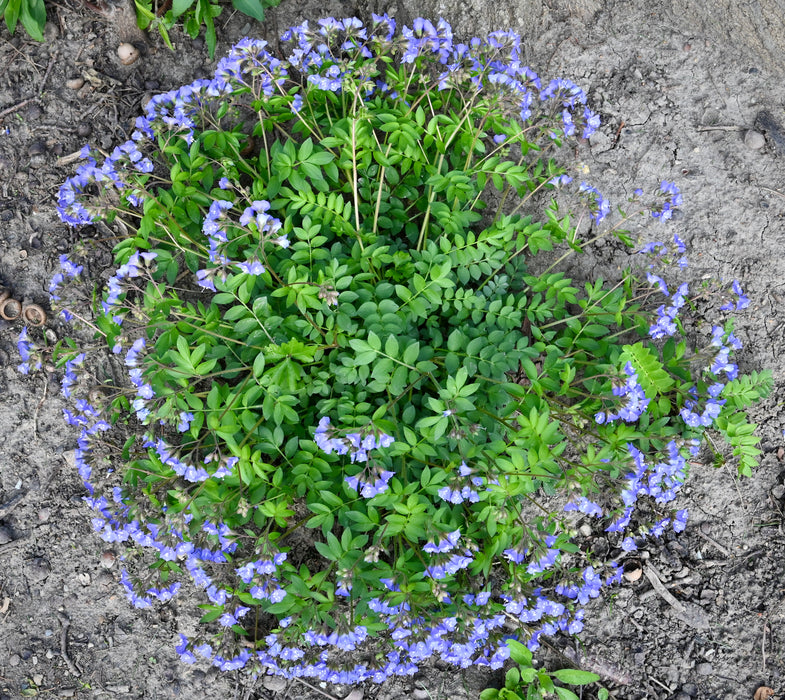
[
  {"x": 662, "y": 685},
  {"x": 768, "y": 189},
  {"x": 318, "y": 690},
  {"x": 17, "y": 106},
  {"x": 52, "y": 60},
  {"x": 66, "y": 623},
  {"x": 38, "y": 407},
  {"x": 712, "y": 541},
  {"x": 688, "y": 613},
  {"x": 721, "y": 127}
]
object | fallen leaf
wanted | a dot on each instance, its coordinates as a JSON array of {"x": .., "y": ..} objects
[{"x": 763, "y": 693}]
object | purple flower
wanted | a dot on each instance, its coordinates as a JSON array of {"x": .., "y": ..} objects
[
  {"x": 672, "y": 199},
  {"x": 446, "y": 545},
  {"x": 742, "y": 300},
  {"x": 132, "y": 356},
  {"x": 204, "y": 278},
  {"x": 585, "y": 506},
  {"x": 185, "y": 421},
  {"x": 680, "y": 520},
  {"x": 251, "y": 267},
  {"x": 598, "y": 205},
  {"x": 560, "y": 180}
]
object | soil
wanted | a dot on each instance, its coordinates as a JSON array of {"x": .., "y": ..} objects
[{"x": 706, "y": 621}]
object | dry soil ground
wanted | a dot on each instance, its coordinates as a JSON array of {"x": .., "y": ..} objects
[{"x": 675, "y": 105}]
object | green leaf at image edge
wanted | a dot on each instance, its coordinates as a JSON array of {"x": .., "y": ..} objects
[{"x": 252, "y": 8}]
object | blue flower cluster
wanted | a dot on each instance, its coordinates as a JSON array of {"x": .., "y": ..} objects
[
  {"x": 671, "y": 198},
  {"x": 31, "y": 358},
  {"x": 215, "y": 227},
  {"x": 661, "y": 482},
  {"x": 597, "y": 204},
  {"x": 459, "y": 491},
  {"x": 584, "y": 505},
  {"x": 117, "y": 284},
  {"x": 636, "y": 402},
  {"x": 68, "y": 271},
  {"x": 665, "y": 324},
  {"x": 358, "y": 446},
  {"x": 447, "y": 566},
  {"x": 497, "y": 62},
  {"x": 742, "y": 300}
]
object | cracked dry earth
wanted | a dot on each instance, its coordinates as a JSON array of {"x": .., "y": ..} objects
[{"x": 707, "y": 618}]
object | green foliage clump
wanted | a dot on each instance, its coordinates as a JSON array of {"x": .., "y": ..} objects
[
  {"x": 192, "y": 15},
  {"x": 31, "y": 14},
  {"x": 360, "y": 410}
]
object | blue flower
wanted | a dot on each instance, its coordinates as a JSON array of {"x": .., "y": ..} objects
[
  {"x": 680, "y": 520},
  {"x": 598, "y": 205},
  {"x": 742, "y": 300},
  {"x": 672, "y": 199},
  {"x": 446, "y": 545},
  {"x": 186, "y": 419},
  {"x": 585, "y": 506},
  {"x": 251, "y": 267}
]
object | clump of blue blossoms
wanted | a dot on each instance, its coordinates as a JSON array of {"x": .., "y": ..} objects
[{"x": 343, "y": 386}]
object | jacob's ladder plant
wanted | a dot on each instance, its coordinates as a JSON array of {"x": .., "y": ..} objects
[{"x": 358, "y": 417}]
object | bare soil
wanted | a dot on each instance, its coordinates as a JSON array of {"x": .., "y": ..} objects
[{"x": 706, "y": 621}]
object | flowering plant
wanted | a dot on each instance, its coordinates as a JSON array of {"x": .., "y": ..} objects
[{"x": 356, "y": 415}]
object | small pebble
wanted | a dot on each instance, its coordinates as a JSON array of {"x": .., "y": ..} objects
[
  {"x": 585, "y": 530},
  {"x": 778, "y": 491},
  {"x": 127, "y": 53},
  {"x": 107, "y": 559},
  {"x": 48, "y": 633},
  {"x": 754, "y": 140},
  {"x": 14, "y": 660},
  {"x": 38, "y": 679},
  {"x": 704, "y": 669},
  {"x": 84, "y": 130},
  {"x": 44, "y": 514},
  {"x": 37, "y": 148},
  {"x": 275, "y": 684},
  {"x": 83, "y": 578},
  {"x": 74, "y": 83}
]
